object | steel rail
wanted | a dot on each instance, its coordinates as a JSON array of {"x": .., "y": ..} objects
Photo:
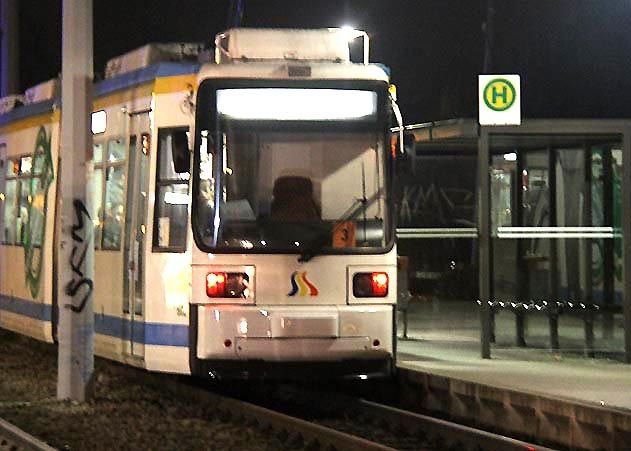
[
  {"x": 451, "y": 433},
  {"x": 309, "y": 432},
  {"x": 287, "y": 428},
  {"x": 13, "y": 438}
]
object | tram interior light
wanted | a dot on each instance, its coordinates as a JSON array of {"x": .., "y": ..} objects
[{"x": 296, "y": 104}]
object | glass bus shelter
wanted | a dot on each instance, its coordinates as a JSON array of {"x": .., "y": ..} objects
[{"x": 514, "y": 236}]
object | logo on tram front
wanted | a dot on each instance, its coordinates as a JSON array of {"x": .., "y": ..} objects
[{"x": 301, "y": 286}]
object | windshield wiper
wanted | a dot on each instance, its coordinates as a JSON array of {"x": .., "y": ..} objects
[{"x": 357, "y": 208}]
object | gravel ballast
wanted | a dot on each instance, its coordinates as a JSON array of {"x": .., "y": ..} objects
[{"x": 125, "y": 411}]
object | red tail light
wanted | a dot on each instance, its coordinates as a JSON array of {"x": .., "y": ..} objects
[
  {"x": 370, "y": 285},
  {"x": 228, "y": 285},
  {"x": 379, "y": 283},
  {"x": 216, "y": 284}
]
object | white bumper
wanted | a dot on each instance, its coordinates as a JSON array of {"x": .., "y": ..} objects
[{"x": 290, "y": 333}]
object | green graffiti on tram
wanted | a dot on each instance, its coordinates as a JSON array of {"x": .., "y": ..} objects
[{"x": 37, "y": 208}]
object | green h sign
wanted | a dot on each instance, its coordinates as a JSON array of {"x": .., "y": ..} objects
[{"x": 499, "y": 94}]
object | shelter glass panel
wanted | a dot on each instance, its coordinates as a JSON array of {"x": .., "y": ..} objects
[
  {"x": 556, "y": 246},
  {"x": 436, "y": 232}
]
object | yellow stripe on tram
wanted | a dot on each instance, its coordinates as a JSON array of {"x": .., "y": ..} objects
[
  {"x": 31, "y": 121},
  {"x": 162, "y": 85}
]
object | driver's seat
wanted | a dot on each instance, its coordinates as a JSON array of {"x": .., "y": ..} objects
[{"x": 293, "y": 200}]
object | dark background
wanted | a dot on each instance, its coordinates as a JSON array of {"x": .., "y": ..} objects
[{"x": 574, "y": 56}]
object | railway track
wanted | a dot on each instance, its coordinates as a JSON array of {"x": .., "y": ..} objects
[
  {"x": 14, "y": 439},
  {"x": 378, "y": 426},
  {"x": 307, "y": 420},
  {"x": 363, "y": 425},
  {"x": 439, "y": 433}
]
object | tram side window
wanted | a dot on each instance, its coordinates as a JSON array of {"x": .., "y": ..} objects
[
  {"x": 37, "y": 189},
  {"x": 22, "y": 196},
  {"x": 9, "y": 227},
  {"x": 9, "y": 232},
  {"x": 5, "y": 195},
  {"x": 26, "y": 165},
  {"x": 109, "y": 193},
  {"x": 97, "y": 206},
  {"x": 172, "y": 199}
]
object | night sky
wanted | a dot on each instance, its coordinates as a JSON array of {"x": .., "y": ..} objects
[{"x": 574, "y": 56}]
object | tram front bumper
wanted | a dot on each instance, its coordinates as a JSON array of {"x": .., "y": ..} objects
[{"x": 310, "y": 333}]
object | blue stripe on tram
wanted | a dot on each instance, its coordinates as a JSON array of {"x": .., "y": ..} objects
[
  {"x": 148, "y": 333},
  {"x": 32, "y": 309}
]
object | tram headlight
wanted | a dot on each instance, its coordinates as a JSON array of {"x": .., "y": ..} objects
[{"x": 370, "y": 285}]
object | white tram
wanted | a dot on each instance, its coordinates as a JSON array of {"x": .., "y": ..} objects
[{"x": 271, "y": 253}]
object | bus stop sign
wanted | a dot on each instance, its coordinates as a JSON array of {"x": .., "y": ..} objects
[{"x": 499, "y": 100}]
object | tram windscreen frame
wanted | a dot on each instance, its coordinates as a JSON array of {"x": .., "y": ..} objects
[{"x": 336, "y": 170}]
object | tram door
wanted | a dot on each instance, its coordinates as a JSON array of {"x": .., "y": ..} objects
[{"x": 135, "y": 235}]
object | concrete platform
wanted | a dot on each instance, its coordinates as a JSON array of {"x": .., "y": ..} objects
[{"x": 562, "y": 399}]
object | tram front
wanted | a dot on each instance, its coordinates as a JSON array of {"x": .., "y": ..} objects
[{"x": 294, "y": 268}]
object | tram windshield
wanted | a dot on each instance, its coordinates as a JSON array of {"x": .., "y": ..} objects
[{"x": 290, "y": 179}]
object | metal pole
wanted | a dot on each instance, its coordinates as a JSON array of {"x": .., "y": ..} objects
[
  {"x": 608, "y": 245},
  {"x": 488, "y": 38},
  {"x": 626, "y": 239},
  {"x": 588, "y": 220},
  {"x": 76, "y": 243},
  {"x": 9, "y": 83},
  {"x": 484, "y": 243},
  {"x": 553, "y": 273},
  {"x": 484, "y": 206},
  {"x": 521, "y": 275},
  {"x": 235, "y": 13}
]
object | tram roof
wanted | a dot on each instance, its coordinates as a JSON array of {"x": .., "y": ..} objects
[{"x": 104, "y": 87}]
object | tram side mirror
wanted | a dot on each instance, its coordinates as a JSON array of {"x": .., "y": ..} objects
[{"x": 180, "y": 152}]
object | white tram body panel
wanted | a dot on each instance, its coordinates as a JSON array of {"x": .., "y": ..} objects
[
  {"x": 298, "y": 311},
  {"x": 26, "y": 288},
  {"x": 330, "y": 325},
  {"x": 141, "y": 296},
  {"x": 140, "y": 315}
]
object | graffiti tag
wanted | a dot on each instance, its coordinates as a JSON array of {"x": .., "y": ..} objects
[
  {"x": 443, "y": 206},
  {"x": 77, "y": 258}
]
